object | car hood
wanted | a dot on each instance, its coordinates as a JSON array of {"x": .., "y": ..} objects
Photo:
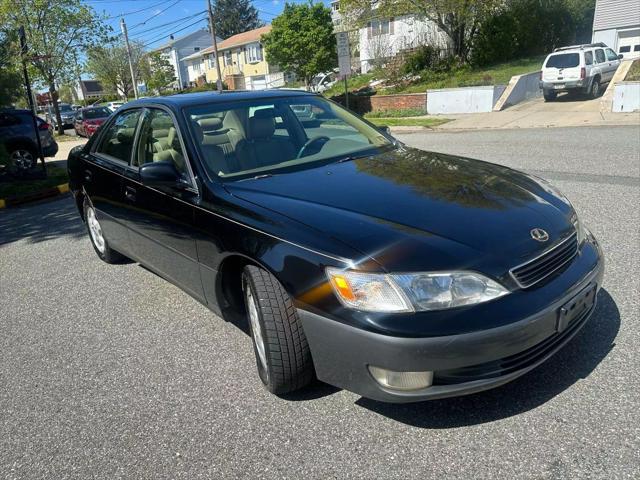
[{"x": 406, "y": 204}]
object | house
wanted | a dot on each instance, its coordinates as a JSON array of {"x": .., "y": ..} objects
[
  {"x": 88, "y": 90},
  {"x": 177, "y": 48},
  {"x": 617, "y": 24},
  {"x": 383, "y": 38},
  {"x": 242, "y": 63}
]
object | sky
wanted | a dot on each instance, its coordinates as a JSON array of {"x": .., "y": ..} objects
[{"x": 152, "y": 21}]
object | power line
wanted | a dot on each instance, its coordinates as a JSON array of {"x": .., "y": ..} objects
[
  {"x": 177, "y": 21},
  {"x": 137, "y": 11},
  {"x": 156, "y": 14},
  {"x": 173, "y": 33}
]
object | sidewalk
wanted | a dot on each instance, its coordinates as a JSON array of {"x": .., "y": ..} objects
[{"x": 63, "y": 151}]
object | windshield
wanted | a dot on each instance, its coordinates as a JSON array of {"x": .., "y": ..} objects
[
  {"x": 64, "y": 107},
  {"x": 101, "y": 112},
  {"x": 270, "y": 136},
  {"x": 564, "y": 60}
]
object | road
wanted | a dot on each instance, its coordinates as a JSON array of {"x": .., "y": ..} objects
[{"x": 111, "y": 372}]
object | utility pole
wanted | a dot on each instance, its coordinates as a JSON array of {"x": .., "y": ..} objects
[
  {"x": 215, "y": 46},
  {"x": 27, "y": 84},
  {"x": 123, "y": 26}
]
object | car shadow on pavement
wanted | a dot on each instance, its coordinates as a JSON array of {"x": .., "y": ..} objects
[
  {"x": 41, "y": 222},
  {"x": 572, "y": 363}
]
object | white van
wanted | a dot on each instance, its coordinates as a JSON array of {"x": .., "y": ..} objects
[{"x": 578, "y": 69}]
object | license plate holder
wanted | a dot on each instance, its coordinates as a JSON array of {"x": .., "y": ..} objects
[
  {"x": 575, "y": 308},
  {"x": 559, "y": 86}
]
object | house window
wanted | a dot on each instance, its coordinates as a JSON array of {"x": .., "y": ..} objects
[
  {"x": 210, "y": 62},
  {"x": 228, "y": 60},
  {"x": 380, "y": 27},
  {"x": 196, "y": 67},
  {"x": 254, "y": 53},
  {"x": 196, "y": 49}
]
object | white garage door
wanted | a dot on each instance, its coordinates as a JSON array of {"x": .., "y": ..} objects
[
  {"x": 258, "y": 82},
  {"x": 629, "y": 44}
]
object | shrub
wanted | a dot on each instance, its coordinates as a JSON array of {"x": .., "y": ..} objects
[
  {"x": 4, "y": 156},
  {"x": 427, "y": 57}
]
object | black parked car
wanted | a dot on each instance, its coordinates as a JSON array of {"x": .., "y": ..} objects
[
  {"x": 399, "y": 274},
  {"x": 18, "y": 136}
]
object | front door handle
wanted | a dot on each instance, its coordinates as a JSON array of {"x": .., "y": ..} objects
[
  {"x": 130, "y": 193},
  {"x": 87, "y": 175}
]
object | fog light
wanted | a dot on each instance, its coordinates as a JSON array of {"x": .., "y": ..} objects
[{"x": 401, "y": 380}]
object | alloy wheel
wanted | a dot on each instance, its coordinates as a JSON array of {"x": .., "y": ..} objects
[
  {"x": 22, "y": 159},
  {"x": 95, "y": 230},
  {"x": 255, "y": 329}
]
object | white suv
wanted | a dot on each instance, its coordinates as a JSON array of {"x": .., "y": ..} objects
[{"x": 579, "y": 68}]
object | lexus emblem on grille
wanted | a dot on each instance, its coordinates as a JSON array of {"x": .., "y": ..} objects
[{"x": 539, "y": 235}]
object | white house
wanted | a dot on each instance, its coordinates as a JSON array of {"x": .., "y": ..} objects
[
  {"x": 178, "y": 48},
  {"x": 617, "y": 24},
  {"x": 386, "y": 37}
]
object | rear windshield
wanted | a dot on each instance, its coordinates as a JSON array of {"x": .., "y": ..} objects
[
  {"x": 65, "y": 107},
  {"x": 564, "y": 60},
  {"x": 97, "y": 112}
]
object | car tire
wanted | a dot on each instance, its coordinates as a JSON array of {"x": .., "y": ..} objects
[
  {"x": 22, "y": 158},
  {"x": 594, "y": 89},
  {"x": 282, "y": 353},
  {"x": 549, "y": 95},
  {"x": 99, "y": 243}
]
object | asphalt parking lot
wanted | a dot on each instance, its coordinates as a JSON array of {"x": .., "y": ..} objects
[{"x": 111, "y": 372}]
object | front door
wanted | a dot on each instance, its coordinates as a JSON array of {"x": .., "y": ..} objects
[
  {"x": 102, "y": 175},
  {"x": 161, "y": 220}
]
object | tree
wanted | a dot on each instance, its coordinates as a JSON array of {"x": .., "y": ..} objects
[
  {"x": 301, "y": 40},
  {"x": 55, "y": 29},
  {"x": 234, "y": 16},
  {"x": 157, "y": 72},
  {"x": 582, "y": 12},
  {"x": 10, "y": 77},
  {"x": 458, "y": 19},
  {"x": 109, "y": 65}
]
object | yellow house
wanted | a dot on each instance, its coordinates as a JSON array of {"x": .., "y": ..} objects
[{"x": 242, "y": 62}]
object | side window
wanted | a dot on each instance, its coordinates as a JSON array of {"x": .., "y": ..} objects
[
  {"x": 588, "y": 58},
  {"x": 117, "y": 141},
  {"x": 611, "y": 55},
  {"x": 7, "y": 120},
  {"x": 160, "y": 142},
  {"x": 600, "y": 56}
]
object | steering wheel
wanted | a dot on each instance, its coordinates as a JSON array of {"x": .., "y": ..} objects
[{"x": 311, "y": 141}]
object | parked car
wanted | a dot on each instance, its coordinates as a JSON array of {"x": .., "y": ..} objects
[
  {"x": 399, "y": 274},
  {"x": 578, "y": 69},
  {"x": 113, "y": 106},
  {"x": 323, "y": 81},
  {"x": 87, "y": 120},
  {"x": 18, "y": 136},
  {"x": 66, "y": 115}
]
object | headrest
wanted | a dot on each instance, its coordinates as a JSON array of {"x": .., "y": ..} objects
[
  {"x": 125, "y": 135},
  {"x": 262, "y": 124},
  {"x": 209, "y": 124}
]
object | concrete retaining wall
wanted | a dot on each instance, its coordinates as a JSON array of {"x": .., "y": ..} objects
[
  {"x": 520, "y": 88},
  {"x": 626, "y": 97},
  {"x": 463, "y": 100}
]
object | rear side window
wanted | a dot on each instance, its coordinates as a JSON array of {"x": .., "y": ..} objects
[
  {"x": 588, "y": 58},
  {"x": 600, "y": 56},
  {"x": 117, "y": 141},
  {"x": 564, "y": 60},
  {"x": 7, "y": 120}
]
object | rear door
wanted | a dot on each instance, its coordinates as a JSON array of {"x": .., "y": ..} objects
[
  {"x": 161, "y": 221},
  {"x": 102, "y": 175}
]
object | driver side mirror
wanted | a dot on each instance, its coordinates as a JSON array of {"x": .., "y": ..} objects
[
  {"x": 620, "y": 56},
  {"x": 162, "y": 174},
  {"x": 385, "y": 129}
]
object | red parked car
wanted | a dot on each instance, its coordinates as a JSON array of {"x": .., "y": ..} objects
[{"x": 87, "y": 120}]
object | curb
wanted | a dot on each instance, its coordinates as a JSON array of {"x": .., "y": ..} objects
[{"x": 32, "y": 197}]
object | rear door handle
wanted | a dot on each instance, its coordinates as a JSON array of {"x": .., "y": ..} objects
[
  {"x": 87, "y": 175},
  {"x": 130, "y": 193}
]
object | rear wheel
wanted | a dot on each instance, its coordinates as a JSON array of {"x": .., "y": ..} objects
[
  {"x": 594, "y": 91},
  {"x": 100, "y": 244},
  {"x": 280, "y": 346},
  {"x": 549, "y": 95},
  {"x": 22, "y": 158}
]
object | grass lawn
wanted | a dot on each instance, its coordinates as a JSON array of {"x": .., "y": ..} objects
[
  {"x": 55, "y": 176},
  {"x": 409, "y": 122},
  {"x": 66, "y": 138},
  {"x": 402, "y": 112},
  {"x": 354, "y": 82},
  {"x": 633, "y": 75}
]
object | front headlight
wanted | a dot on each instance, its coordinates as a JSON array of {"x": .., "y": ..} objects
[{"x": 409, "y": 292}]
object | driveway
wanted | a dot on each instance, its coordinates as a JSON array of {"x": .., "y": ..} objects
[{"x": 111, "y": 372}]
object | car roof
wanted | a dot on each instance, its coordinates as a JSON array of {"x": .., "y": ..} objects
[{"x": 200, "y": 98}]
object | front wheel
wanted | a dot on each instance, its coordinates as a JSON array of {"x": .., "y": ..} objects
[
  {"x": 282, "y": 353},
  {"x": 22, "y": 158},
  {"x": 100, "y": 244}
]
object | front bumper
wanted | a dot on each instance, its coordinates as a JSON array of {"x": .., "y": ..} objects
[{"x": 462, "y": 364}]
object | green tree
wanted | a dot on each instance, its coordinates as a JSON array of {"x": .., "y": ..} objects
[
  {"x": 582, "y": 12},
  {"x": 458, "y": 19},
  {"x": 109, "y": 65},
  {"x": 10, "y": 77},
  {"x": 157, "y": 72},
  {"x": 301, "y": 40},
  {"x": 55, "y": 29},
  {"x": 234, "y": 16}
]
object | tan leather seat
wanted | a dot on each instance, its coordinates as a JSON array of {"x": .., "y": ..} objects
[
  {"x": 260, "y": 148},
  {"x": 213, "y": 156},
  {"x": 173, "y": 152}
]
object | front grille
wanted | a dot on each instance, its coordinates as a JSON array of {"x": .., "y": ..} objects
[
  {"x": 542, "y": 266},
  {"x": 505, "y": 366}
]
